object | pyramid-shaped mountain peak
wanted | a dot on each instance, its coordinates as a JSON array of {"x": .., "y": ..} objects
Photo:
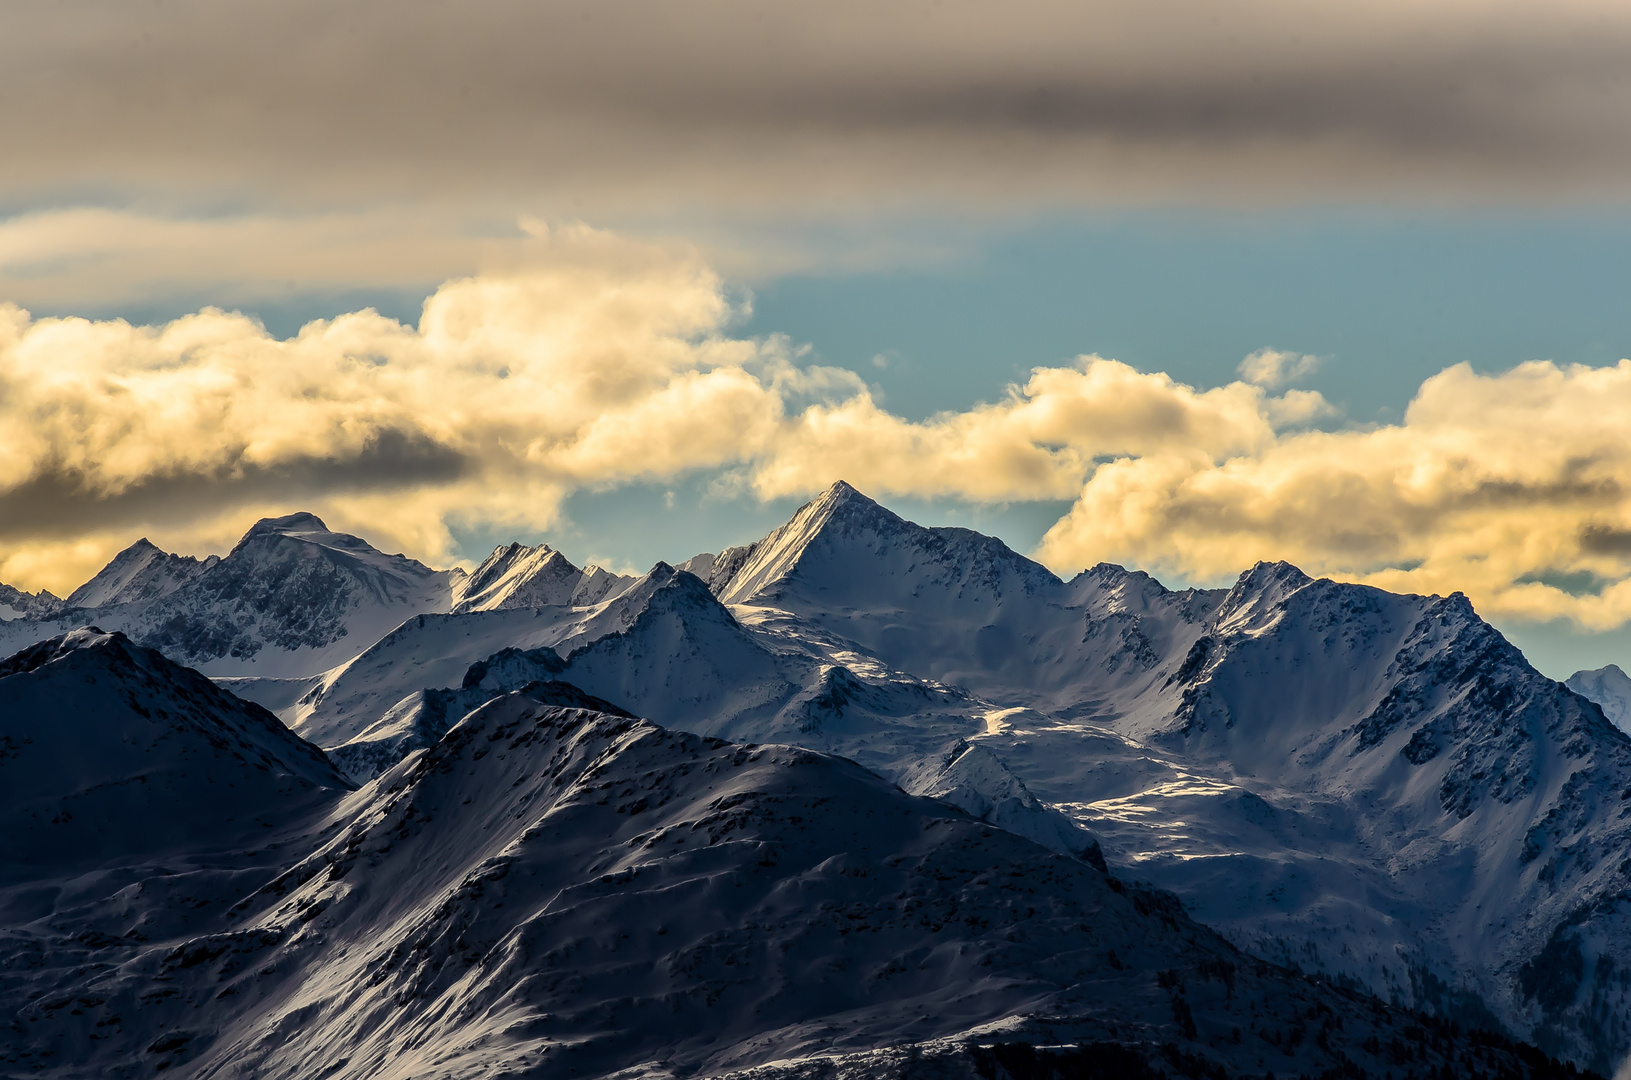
[{"x": 841, "y": 501}]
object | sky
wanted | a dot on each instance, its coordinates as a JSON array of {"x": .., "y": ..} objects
[{"x": 1179, "y": 285}]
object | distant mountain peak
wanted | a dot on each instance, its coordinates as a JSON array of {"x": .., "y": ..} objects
[
  {"x": 518, "y": 576},
  {"x": 301, "y": 522},
  {"x": 842, "y": 501},
  {"x": 1258, "y": 594},
  {"x": 1610, "y": 688},
  {"x": 840, "y": 489},
  {"x": 1274, "y": 573},
  {"x": 142, "y": 571},
  {"x": 842, "y": 525},
  {"x": 15, "y": 604}
]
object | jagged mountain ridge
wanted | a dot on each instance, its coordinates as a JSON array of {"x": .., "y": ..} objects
[
  {"x": 139, "y": 572},
  {"x": 664, "y": 648},
  {"x": 517, "y": 576},
  {"x": 1376, "y": 785},
  {"x": 1489, "y": 794},
  {"x": 291, "y": 599},
  {"x": 952, "y": 605},
  {"x": 549, "y": 891},
  {"x": 17, "y": 605}
]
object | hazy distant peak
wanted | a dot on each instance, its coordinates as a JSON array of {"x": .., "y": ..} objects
[
  {"x": 1610, "y": 688},
  {"x": 1274, "y": 574},
  {"x": 142, "y": 571},
  {"x": 301, "y": 522}
]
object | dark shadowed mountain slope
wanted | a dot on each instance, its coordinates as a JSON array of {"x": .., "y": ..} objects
[
  {"x": 554, "y": 892},
  {"x": 110, "y": 751}
]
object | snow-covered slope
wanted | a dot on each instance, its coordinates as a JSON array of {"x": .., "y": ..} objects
[
  {"x": 16, "y": 604},
  {"x": 558, "y": 892},
  {"x": 1372, "y": 785},
  {"x": 437, "y": 650},
  {"x": 955, "y": 606},
  {"x": 1402, "y": 734},
  {"x": 517, "y": 576},
  {"x": 972, "y": 779},
  {"x": 110, "y": 751},
  {"x": 139, "y": 572},
  {"x": 664, "y": 648},
  {"x": 291, "y": 599},
  {"x": 932, "y": 601},
  {"x": 681, "y": 659},
  {"x": 1610, "y": 688},
  {"x": 419, "y": 720}
]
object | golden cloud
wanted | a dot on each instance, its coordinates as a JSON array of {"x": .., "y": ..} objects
[
  {"x": 1509, "y": 487},
  {"x": 601, "y": 361}
]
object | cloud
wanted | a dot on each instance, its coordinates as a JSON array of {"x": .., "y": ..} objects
[
  {"x": 636, "y": 104},
  {"x": 1271, "y": 368},
  {"x": 598, "y": 361},
  {"x": 190, "y": 152},
  {"x": 66, "y": 258},
  {"x": 1510, "y": 487},
  {"x": 593, "y": 362},
  {"x": 1037, "y": 443}
]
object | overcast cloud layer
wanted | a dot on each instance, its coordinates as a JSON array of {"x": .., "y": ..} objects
[
  {"x": 778, "y": 102},
  {"x": 604, "y": 361},
  {"x": 296, "y": 144}
]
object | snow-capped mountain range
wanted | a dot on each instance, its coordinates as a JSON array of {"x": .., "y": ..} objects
[
  {"x": 1372, "y": 787},
  {"x": 558, "y": 891}
]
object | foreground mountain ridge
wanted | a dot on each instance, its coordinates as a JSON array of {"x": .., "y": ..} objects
[
  {"x": 107, "y": 747},
  {"x": 556, "y": 891}
]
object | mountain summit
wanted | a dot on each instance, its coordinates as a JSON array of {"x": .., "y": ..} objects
[
  {"x": 292, "y": 598},
  {"x": 844, "y": 546},
  {"x": 139, "y": 572}
]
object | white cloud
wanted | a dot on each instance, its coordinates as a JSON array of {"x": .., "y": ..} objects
[
  {"x": 1271, "y": 368},
  {"x": 599, "y": 362}
]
